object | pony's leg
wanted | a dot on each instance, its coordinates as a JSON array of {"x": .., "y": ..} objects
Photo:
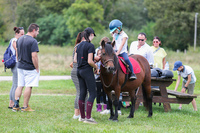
[
  {"x": 110, "y": 104},
  {"x": 150, "y": 105},
  {"x": 111, "y": 109},
  {"x": 147, "y": 95},
  {"x": 133, "y": 100},
  {"x": 116, "y": 104}
]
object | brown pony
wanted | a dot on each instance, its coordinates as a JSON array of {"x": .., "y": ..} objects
[{"x": 113, "y": 78}]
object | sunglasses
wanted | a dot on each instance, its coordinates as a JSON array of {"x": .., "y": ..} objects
[
  {"x": 155, "y": 41},
  {"x": 21, "y": 28},
  {"x": 140, "y": 39}
]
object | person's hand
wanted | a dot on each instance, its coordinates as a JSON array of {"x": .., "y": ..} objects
[
  {"x": 38, "y": 70},
  {"x": 183, "y": 90},
  {"x": 71, "y": 65},
  {"x": 97, "y": 58},
  {"x": 117, "y": 53}
]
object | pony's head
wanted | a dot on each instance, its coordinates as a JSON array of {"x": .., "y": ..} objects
[{"x": 108, "y": 57}]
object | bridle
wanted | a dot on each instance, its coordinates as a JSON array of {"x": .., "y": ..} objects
[{"x": 105, "y": 66}]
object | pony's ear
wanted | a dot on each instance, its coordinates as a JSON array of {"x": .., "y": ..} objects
[
  {"x": 113, "y": 43},
  {"x": 103, "y": 44}
]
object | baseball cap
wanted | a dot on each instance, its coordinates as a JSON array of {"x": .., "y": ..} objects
[
  {"x": 177, "y": 64},
  {"x": 90, "y": 31}
]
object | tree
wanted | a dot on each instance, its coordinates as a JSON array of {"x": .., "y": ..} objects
[
  {"x": 82, "y": 14},
  {"x": 28, "y": 13},
  {"x": 174, "y": 21},
  {"x": 53, "y": 30},
  {"x": 55, "y": 6},
  {"x": 133, "y": 14}
]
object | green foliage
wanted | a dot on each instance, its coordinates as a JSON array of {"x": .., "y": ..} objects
[
  {"x": 174, "y": 21},
  {"x": 132, "y": 13},
  {"x": 53, "y": 30},
  {"x": 81, "y": 15},
  {"x": 55, "y": 6},
  {"x": 28, "y": 13}
]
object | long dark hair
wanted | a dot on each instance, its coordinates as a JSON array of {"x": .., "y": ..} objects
[
  {"x": 78, "y": 38},
  {"x": 86, "y": 35}
]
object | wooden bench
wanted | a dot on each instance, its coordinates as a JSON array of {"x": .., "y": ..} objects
[{"x": 160, "y": 95}]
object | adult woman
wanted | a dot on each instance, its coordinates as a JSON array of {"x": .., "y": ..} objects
[
  {"x": 74, "y": 77},
  {"x": 19, "y": 31},
  {"x": 85, "y": 56},
  {"x": 159, "y": 53}
]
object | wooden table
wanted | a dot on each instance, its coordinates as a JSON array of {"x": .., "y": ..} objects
[{"x": 160, "y": 95}]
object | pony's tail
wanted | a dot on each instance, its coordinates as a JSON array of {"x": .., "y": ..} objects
[{"x": 146, "y": 100}]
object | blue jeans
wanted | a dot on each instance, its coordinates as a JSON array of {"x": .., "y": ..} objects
[{"x": 126, "y": 59}]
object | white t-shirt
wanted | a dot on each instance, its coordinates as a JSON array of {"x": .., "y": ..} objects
[
  {"x": 118, "y": 42},
  {"x": 144, "y": 50},
  {"x": 187, "y": 70}
]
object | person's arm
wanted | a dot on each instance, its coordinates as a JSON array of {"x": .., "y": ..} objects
[
  {"x": 121, "y": 46},
  {"x": 164, "y": 62},
  {"x": 90, "y": 61},
  {"x": 35, "y": 60},
  {"x": 187, "y": 83},
  {"x": 150, "y": 57},
  {"x": 16, "y": 54},
  {"x": 177, "y": 82},
  {"x": 14, "y": 45}
]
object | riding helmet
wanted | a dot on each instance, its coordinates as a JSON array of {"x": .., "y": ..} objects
[{"x": 114, "y": 24}]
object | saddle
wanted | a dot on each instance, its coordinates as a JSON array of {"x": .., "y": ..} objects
[{"x": 124, "y": 66}]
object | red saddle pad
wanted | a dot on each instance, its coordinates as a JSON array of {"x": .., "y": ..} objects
[{"x": 135, "y": 64}]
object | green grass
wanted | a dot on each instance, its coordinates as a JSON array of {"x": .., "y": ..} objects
[{"x": 54, "y": 114}]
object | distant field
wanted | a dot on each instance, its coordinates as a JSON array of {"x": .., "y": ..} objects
[{"x": 54, "y": 60}]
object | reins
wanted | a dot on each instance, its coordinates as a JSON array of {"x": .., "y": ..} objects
[{"x": 104, "y": 65}]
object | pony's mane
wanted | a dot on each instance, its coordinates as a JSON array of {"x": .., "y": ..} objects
[
  {"x": 110, "y": 52},
  {"x": 109, "y": 49}
]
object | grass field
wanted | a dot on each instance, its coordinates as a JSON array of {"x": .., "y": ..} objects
[
  {"x": 54, "y": 102},
  {"x": 54, "y": 114}
]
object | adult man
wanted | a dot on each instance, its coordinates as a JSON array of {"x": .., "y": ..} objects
[
  {"x": 189, "y": 80},
  {"x": 142, "y": 48},
  {"x": 28, "y": 68}
]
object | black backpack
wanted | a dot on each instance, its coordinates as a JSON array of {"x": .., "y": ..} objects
[{"x": 9, "y": 59}]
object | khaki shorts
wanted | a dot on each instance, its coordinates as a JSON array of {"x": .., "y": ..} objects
[
  {"x": 190, "y": 89},
  {"x": 28, "y": 78}
]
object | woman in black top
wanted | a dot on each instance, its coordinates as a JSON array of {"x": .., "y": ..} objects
[{"x": 85, "y": 60}]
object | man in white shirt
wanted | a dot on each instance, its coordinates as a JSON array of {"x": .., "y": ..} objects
[{"x": 142, "y": 48}]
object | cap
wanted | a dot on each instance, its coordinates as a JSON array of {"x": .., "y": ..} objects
[
  {"x": 90, "y": 31},
  {"x": 177, "y": 64}
]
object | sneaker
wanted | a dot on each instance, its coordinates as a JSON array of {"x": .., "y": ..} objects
[
  {"x": 10, "y": 107},
  {"x": 76, "y": 117},
  {"x": 25, "y": 109},
  {"x": 132, "y": 76},
  {"x": 91, "y": 121},
  {"x": 119, "y": 112},
  {"x": 81, "y": 119},
  {"x": 107, "y": 111},
  {"x": 15, "y": 108},
  {"x": 180, "y": 108}
]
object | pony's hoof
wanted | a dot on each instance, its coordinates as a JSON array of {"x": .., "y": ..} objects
[
  {"x": 130, "y": 116},
  {"x": 111, "y": 118},
  {"x": 149, "y": 116}
]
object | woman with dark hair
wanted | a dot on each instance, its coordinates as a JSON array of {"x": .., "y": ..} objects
[
  {"x": 159, "y": 53},
  {"x": 85, "y": 60},
  {"x": 74, "y": 77},
  {"x": 19, "y": 31}
]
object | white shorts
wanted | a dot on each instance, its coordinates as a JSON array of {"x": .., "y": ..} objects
[{"x": 28, "y": 78}]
